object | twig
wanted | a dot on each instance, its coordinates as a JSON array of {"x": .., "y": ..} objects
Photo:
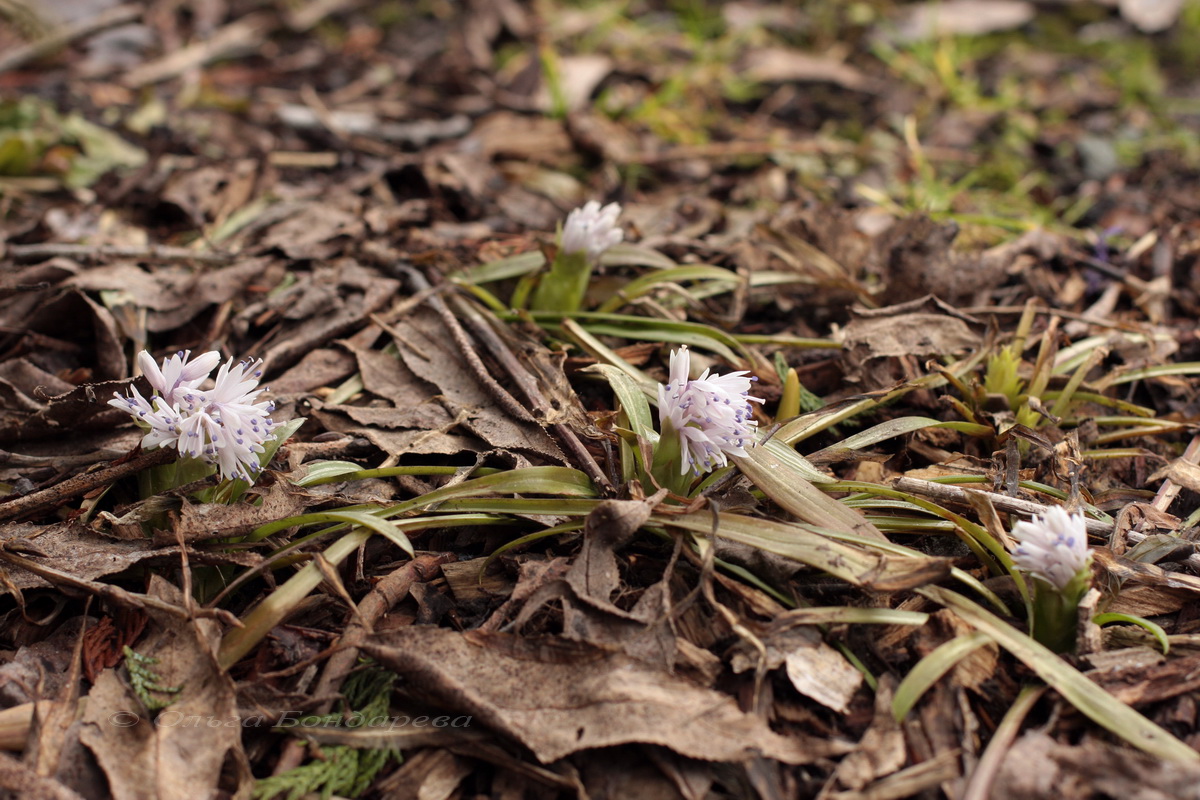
[
  {"x": 10, "y": 459},
  {"x": 386, "y": 594},
  {"x": 245, "y": 35},
  {"x": 416, "y": 133},
  {"x": 112, "y": 593},
  {"x": 474, "y": 363},
  {"x": 721, "y": 150},
  {"x": 301, "y": 19},
  {"x": 1170, "y": 489},
  {"x": 53, "y": 496},
  {"x": 529, "y": 387},
  {"x": 68, "y": 33},
  {"x": 956, "y": 494},
  {"x": 21, "y": 779},
  {"x": 1114, "y": 324},
  {"x": 14, "y": 289},
  {"x": 154, "y": 252}
]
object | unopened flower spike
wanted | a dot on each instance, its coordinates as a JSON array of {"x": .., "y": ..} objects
[
  {"x": 588, "y": 232},
  {"x": 1053, "y": 547},
  {"x": 711, "y": 415},
  {"x": 225, "y": 426},
  {"x": 1053, "y": 550},
  {"x": 592, "y": 229}
]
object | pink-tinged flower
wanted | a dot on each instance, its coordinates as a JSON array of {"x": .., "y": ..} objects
[
  {"x": 225, "y": 425},
  {"x": 162, "y": 419},
  {"x": 712, "y": 415},
  {"x": 177, "y": 374},
  {"x": 592, "y": 229},
  {"x": 1053, "y": 547}
]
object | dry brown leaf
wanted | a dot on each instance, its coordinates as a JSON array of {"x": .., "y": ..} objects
[
  {"x": 815, "y": 669},
  {"x": 333, "y": 301},
  {"x": 784, "y": 65},
  {"x": 586, "y": 591},
  {"x": 1181, "y": 471},
  {"x": 39, "y": 670},
  {"x": 173, "y": 295},
  {"x": 84, "y": 408},
  {"x": 71, "y": 548},
  {"x": 1142, "y": 683},
  {"x": 538, "y": 139},
  {"x": 871, "y": 342},
  {"x": 1040, "y": 768},
  {"x": 961, "y": 18},
  {"x": 428, "y": 352},
  {"x": 426, "y": 775},
  {"x": 183, "y": 752},
  {"x": 559, "y": 698},
  {"x": 201, "y": 521},
  {"x": 822, "y": 673},
  {"x": 325, "y": 366},
  {"x": 312, "y": 232},
  {"x": 881, "y": 750}
]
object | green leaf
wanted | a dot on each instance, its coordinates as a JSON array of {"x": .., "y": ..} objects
[
  {"x": 813, "y": 546},
  {"x": 646, "y": 283},
  {"x": 850, "y": 615},
  {"x": 628, "y": 254},
  {"x": 890, "y": 429},
  {"x": 931, "y": 668},
  {"x": 386, "y": 528},
  {"x": 103, "y": 150},
  {"x": 1154, "y": 629},
  {"x": 529, "y": 538},
  {"x": 232, "y": 490},
  {"x": 1122, "y": 376},
  {"x": 557, "y": 481},
  {"x": 543, "y": 506},
  {"x": 667, "y": 466},
  {"x": 511, "y": 267},
  {"x": 324, "y": 471},
  {"x": 787, "y": 478},
  {"x": 631, "y": 395},
  {"x": 602, "y": 352},
  {"x": 1091, "y": 700},
  {"x": 562, "y": 289},
  {"x": 693, "y": 334},
  {"x": 279, "y": 603}
]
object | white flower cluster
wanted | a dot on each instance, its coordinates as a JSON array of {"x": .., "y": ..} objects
[
  {"x": 712, "y": 415},
  {"x": 1053, "y": 547},
  {"x": 222, "y": 425},
  {"x": 592, "y": 229}
]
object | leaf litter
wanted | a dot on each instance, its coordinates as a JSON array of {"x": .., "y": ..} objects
[{"x": 966, "y": 287}]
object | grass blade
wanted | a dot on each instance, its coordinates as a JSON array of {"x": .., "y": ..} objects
[
  {"x": 1091, "y": 700},
  {"x": 786, "y": 477},
  {"x": 798, "y": 542},
  {"x": 931, "y": 668},
  {"x": 279, "y": 603}
]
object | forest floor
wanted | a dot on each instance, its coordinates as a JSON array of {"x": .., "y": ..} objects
[{"x": 955, "y": 243}]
